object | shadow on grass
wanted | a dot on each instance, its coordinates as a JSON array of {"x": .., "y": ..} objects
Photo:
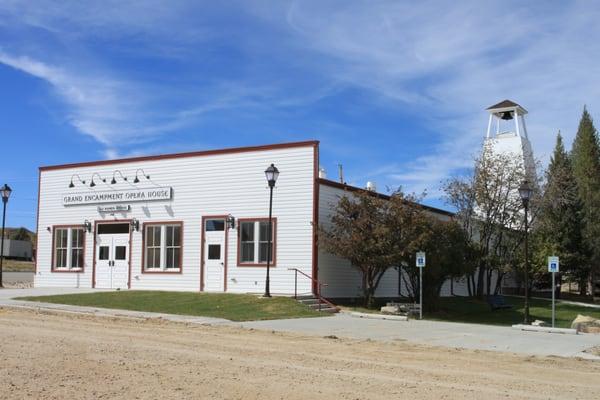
[{"x": 473, "y": 310}]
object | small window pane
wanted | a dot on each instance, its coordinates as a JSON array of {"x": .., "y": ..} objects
[
  {"x": 153, "y": 258},
  {"x": 173, "y": 256},
  {"x": 262, "y": 253},
  {"x": 156, "y": 234},
  {"x": 173, "y": 235},
  {"x": 76, "y": 258},
  {"x": 103, "y": 253},
  {"x": 62, "y": 235},
  {"x": 74, "y": 236},
  {"x": 214, "y": 251},
  {"x": 215, "y": 225},
  {"x": 177, "y": 236},
  {"x": 61, "y": 247},
  {"x": 170, "y": 236},
  {"x": 247, "y": 231},
  {"x": 120, "y": 252},
  {"x": 61, "y": 258},
  {"x": 247, "y": 252},
  {"x": 113, "y": 228},
  {"x": 264, "y": 231},
  {"x": 149, "y": 258}
]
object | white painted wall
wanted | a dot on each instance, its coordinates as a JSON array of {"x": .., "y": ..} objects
[
  {"x": 345, "y": 281},
  {"x": 219, "y": 184},
  {"x": 341, "y": 278}
]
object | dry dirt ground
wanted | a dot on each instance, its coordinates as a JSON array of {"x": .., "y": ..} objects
[{"x": 58, "y": 356}]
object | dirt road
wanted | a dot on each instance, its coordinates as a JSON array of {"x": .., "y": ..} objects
[{"x": 54, "y": 356}]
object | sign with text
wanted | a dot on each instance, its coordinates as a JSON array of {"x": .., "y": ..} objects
[
  {"x": 421, "y": 259},
  {"x": 114, "y": 208},
  {"x": 117, "y": 196},
  {"x": 553, "y": 264}
]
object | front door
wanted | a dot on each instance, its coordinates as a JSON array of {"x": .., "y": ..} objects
[
  {"x": 112, "y": 256},
  {"x": 214, "y": 255}
]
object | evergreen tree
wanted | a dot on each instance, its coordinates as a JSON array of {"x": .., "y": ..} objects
[
  {"x": 559, "y": 224},
  {"x": 585, "y": 157}
]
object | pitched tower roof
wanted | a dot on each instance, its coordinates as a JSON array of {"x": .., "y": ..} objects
[{"x": 505, "y": 105}]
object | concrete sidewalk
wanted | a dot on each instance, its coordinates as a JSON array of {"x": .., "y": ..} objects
[
  {"x": 437, "y": 333},
  {"x": 448, "y": 334}
]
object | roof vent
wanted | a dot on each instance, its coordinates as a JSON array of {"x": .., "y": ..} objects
[
  {"x": 371, "y": 186},
  {"x": 322, "y": 173}
]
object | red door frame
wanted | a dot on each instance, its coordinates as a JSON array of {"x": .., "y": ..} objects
[
  {"x": 114, "y": 221},
  {"x": 202, "y": 240}
]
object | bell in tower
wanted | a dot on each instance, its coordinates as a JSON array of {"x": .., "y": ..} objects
[{"x": 507, "y": 134}]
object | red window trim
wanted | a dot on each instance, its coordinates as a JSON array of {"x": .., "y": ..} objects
[
  {"x": 67, "y": 270},
  {"x": 162, "y": 271},
  {"x": 273, "y": 244}
]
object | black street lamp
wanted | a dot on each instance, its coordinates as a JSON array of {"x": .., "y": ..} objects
[
  {"x": 525, "y": 192},
  {"x": 272, "y": 173},
  {"x": 5, "y": 191}
]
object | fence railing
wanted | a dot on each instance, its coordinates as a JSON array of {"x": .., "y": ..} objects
[{"x": 319, "y": 286}]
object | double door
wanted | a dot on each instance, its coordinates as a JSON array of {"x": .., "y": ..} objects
[{"x": 112, "y": 261}]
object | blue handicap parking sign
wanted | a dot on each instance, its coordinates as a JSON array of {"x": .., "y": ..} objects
[{"x": 553, "y": 264}]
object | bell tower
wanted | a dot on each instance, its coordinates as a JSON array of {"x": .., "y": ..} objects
[{"x": 507, "y": 134}]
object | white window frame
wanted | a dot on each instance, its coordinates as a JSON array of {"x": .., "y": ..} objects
[{"x": 163, "y": 247}]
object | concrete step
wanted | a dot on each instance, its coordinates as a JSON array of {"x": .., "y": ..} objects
[
  {"x": 329, "y": 309},
  {"x": 316, "y": 304},
  {"x": 309, "y": 301}
]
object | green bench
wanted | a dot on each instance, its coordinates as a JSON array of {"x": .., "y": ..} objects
[{"x": 498, "y": 302}]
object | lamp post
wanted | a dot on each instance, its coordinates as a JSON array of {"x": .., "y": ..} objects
[
  {"x": 5, "y": 191},
  {"x": 271, "y": 173},
  {"x": 525, "y": 192}
]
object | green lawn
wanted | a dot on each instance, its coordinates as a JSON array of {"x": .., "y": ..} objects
[
  {"x": 235, "y": 307},
  {"x": 464, "y": 309}
]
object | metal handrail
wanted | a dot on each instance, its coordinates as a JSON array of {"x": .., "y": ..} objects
[{"x": 319, "y": 287}]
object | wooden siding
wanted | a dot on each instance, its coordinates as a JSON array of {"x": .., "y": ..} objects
[{"x": 205, "y": 184}]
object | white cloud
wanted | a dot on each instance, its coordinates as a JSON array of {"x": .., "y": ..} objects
[
  {"x": 447, "y": 62},
  {"x": 443, "y": 63}
]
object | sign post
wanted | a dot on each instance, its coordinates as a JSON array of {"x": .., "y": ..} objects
[
  {"x": 421, "y": 265},
  {"x": 553, "y": 267}
]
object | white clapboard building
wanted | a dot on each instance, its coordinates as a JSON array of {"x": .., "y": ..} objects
[{"x": 193, "y": 222}]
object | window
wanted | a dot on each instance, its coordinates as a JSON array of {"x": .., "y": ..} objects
[
  {"x": 215, "y": 225},
  {"x": 214, "y": 251},
  {"x": 162, "y": 247},
  {"x": 103, "y": 253},
  {"x": 68, "y": 249},
  {"x": 120, "y": 252},
  {"x": 254, "y": 242},
  {"x": 173, "y": 246},
  {"x": 113, "y": 228}
]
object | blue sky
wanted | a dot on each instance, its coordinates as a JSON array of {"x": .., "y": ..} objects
[{"x": 395, "y": 91}]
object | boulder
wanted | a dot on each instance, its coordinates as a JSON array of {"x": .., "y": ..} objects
[
  {"x": 586, "y": 324},
  {"x": 390, "y": 309}
]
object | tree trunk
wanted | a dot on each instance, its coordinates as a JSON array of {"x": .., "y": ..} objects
[
  {"x": 488, "y": 282},
  {"x": 480, "y": 280},
  {"x": 583, "y": 287},
  {"x": 498, "y": 283}
]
